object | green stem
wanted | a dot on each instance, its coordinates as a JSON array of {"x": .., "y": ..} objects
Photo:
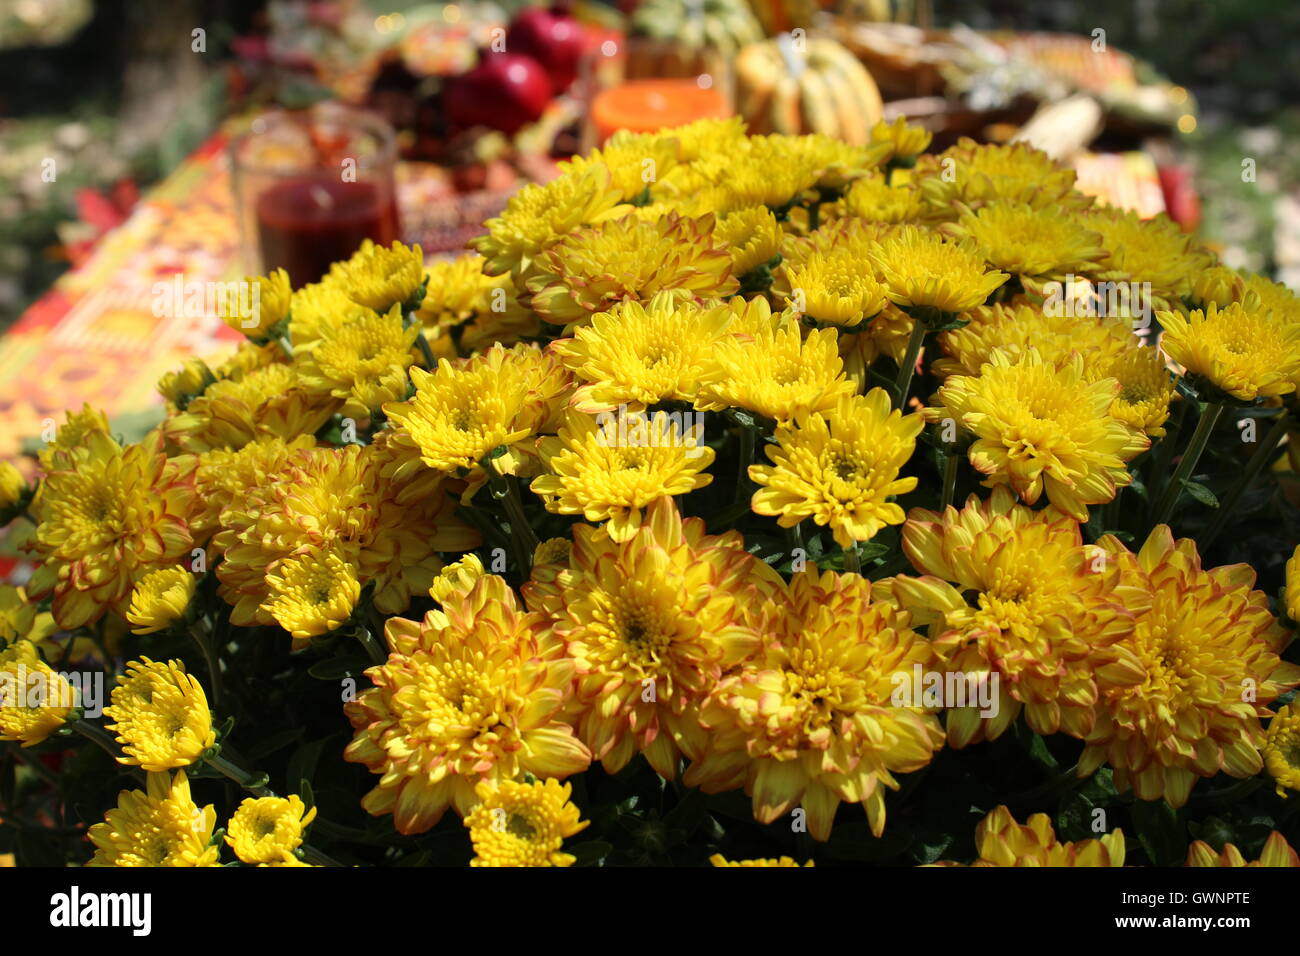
[
  {"x": 742, "y": 467},
  {"x": 285, "y": 346},
  {"x": 1064, "y": 781},
  {"x": 794, "y": 539},
  {"x": 316, "y": 857},
  {"x": 430, "y": 362},
  {"x": 949, "y": 477},
  {"x": 104, "y": 740},
  {"x": 204, "y": 643},
  {"x": 1164, "y": 453},
  {"x": 1110, "y": 513},
  {"x": 851, "y": 560},
  {"x": 374, "y": 650},
  {"x": 253, "y": 783},
  {"x": 1191, "y": 456},
  {"x": 724, "y": 518},
  {"x": 1253, "y": 467},
  {"x": 506, "y": 489},
  {"x": 904, "y": 380}
]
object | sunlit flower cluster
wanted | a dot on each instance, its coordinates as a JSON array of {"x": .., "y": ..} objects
[{"x": 721, "y": 462}]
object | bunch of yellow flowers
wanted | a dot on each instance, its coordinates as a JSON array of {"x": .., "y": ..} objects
[{"x": 723, "y": 463}]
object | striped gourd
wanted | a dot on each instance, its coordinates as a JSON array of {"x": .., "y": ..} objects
[{"x": 794, "y": 84}]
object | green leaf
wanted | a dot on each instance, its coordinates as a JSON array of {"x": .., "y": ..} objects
[
  {"x": 269, "y": 745},
  {"x": 302, "y": 765},
  {"x": 685, "y": 818},
  {"x": 1159, "y": 832},
  {"x": 854, "y": 841},
  {"x": 337, "y": 668},
  {"x": 1201, "y": 493},
  {"x": 591, "y": 853}
]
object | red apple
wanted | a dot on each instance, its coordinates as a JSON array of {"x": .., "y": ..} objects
[
  {"x": 551, "y": 37},
  {"x": 506, "y": 91}
]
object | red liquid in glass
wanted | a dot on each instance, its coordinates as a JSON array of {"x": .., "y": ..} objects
[{"x": 304, "y": 225}]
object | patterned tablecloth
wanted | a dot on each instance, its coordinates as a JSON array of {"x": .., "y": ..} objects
[{"x": 94, "y": 338}]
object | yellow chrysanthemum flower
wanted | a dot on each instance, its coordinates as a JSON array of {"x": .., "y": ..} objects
[
  {"x": 336, "y": 500},
  {"x": 776, "y": 371},
  {"x": 260, "y": 305},
  {"x": 12, "y": 485},
  {"x": 812, "y": 720},
  {"x": 106, "y": 522},
  {"x": 612, "y": 470},
  {"x": 160, "y": 599},
  {"x": 1106, "y": 344},
  {"x": 161, "y": 826},
  {"x": 752, "y": 236},
  {"x": 905, "y": 142},
  {"x": 459, "y": 291},
  {"x": 1001, "y": 841},
  {"x": 456, "y": 578},
  {"x": 523, "y": 824},
  {"x": 1037, "y": 244},
  {"x": 1217, "y": 284},
  {"x": 1146, "y": 388},
  {"x": 840, "y": 468},
  {"x": 35, "y": 701},
  {"x": 312, "y": 593},
  {"x": 320, "y": 309},
  {"x": 363, "y": 363},
  {"x": 638, "y": 355},
  {"x": 921, "y": 270},
  {"x": 540, "y": 215},
  {"x": 1012, "y": 598},
  {"x": 1018, "y": 327},
  {"x": 651, "y": 624},
  {"x": 1282, "y": 749},
  {"x": 160, "y": 715},
  {"x": 74, "y": 439},
  {"x": 1276, "y": 853},
  {"x": 271, "y": 401},
  {"x": 593, "y": 269},
  {"x": 872, "y": 199},
  {"x": 1040, "y": 427},
  {"x": 223, "y": 477},
  {"x": 719, "y": 860},
  {"x": 462, "y": 412},
  {"x": 834, "y": 289},
  {"x": 268, "y": 829},
  {"x": 1210, "y": 650},
  {"x": 477, "y": 692},
  {"x": 1146, "y": 250},
  {"x": 380, "y": 277},
  {"x": 1245, "y": 352},
  {"x": 186, "y": 383},
  {"x": 19, "y": 617},
  {"x": 636, "y": 161},
  {"x": 772, "y": 171},
  {"x": 974, "y": 174}
]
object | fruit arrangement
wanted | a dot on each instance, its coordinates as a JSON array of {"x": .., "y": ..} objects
[
  {"x": 805, "y": 504},
  {"x": 794, "y": 84}
]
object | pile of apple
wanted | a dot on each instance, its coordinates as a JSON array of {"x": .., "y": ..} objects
[{"x": 515, "y": 81}]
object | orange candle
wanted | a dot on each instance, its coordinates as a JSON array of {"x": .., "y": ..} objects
[{"x": 646, "y": 106}]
